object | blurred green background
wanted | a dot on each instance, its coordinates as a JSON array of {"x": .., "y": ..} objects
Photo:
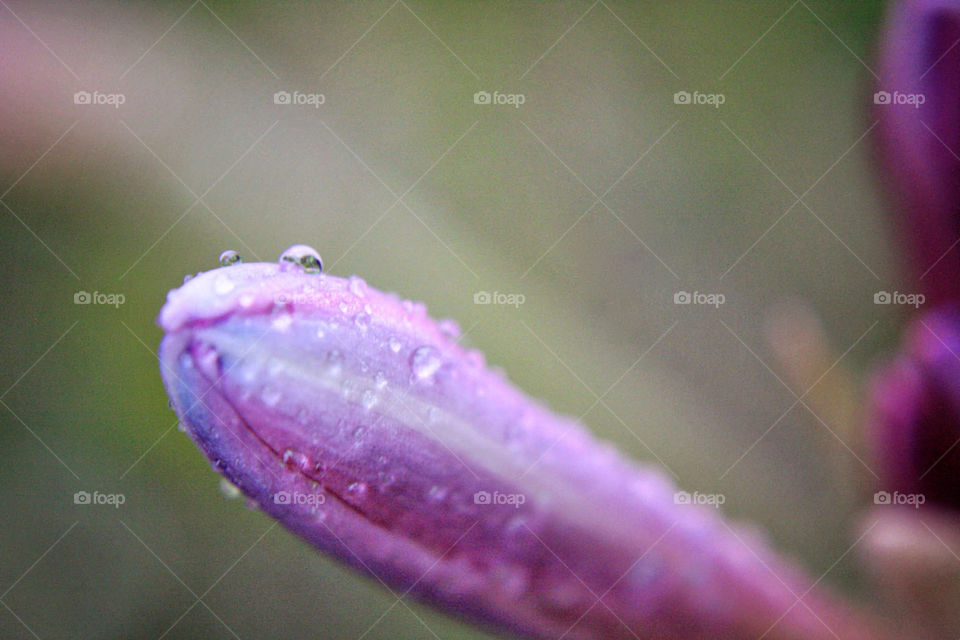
[{"x": 599, "y": 198}]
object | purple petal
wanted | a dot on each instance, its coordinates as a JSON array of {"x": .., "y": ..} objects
[
  {"x": 356, "y": 421},
  {"x": 920, "y": 136},
  {"x": 914, "y": 420}
]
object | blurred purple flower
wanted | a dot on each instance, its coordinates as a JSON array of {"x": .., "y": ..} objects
[
  {"x": 914, "y": 412},
  {"x": 360, "y": 424},
  {"x": 918, "y": 105}
]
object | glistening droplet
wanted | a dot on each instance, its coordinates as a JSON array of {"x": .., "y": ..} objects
[
  {"x": 302, "y": 258},
  {"x": 229, "y": 258},
  {"x": 424, "y": 362}
]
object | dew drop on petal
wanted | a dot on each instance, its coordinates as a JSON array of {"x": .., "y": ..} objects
[
  {"x": 424, "y": 362},
  {"x": 301, "y": 257},
  {"x": 380, "y": 380},
  {"x": 229, "y": 258},
  {"x": 368, "y": 399},
  {"x": 449, "y": 328},
  {"x": 362, "y": 320},
  {"x": 395, "y": 344},
  {"x": 358, "y": 286},
  {"x": 228, "y": 489},
  {"x": 282, "y": 322},
  {"x": 297, "y": 460},
  {"x": 358, "y": 489},
  {"x": 437, "y": 493},
  {"x": 476, "y": 358},
  {"x": 223, "y": 285},
  {"x": 270, "y": 396}
]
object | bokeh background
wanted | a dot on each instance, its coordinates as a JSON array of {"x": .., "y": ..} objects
[{"x": 598, "y": 199}]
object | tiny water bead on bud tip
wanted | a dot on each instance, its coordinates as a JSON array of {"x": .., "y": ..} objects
[
  {"x": 229, "y": 258},
  {"x": 301, "y": 257}
]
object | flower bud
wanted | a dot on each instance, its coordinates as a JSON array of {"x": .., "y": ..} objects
[{"x": 358, "y": 422}]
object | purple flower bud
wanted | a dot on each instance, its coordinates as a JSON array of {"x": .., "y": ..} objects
[
  {"x": 914, "y": 418},
  {"x": 917, "y": 102},
  {"x": 360, "y": 424}
]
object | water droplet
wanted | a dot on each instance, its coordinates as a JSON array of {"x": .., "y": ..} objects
[
  {"x": 208, "y": 361},
  {"x": 362, "y": 320},
  {"x": 343, "y": 307},
  {"x": 476, "y": 358},
  {"x": 297, "y": 460},
  {"x": 229, "y": 258},
  {"x": 425, "y": 361},
  {"x": 228, "y": 489},
  {"x": 282, "y": 322},
  {"x": 223, "y": 285},
  {"x": 358, "y": 489},
  {"x": 449, "y": 328},
  {"x": 275, "y": 367},
  {"x": 334, "y": 362},
  {"x": 395, "y": 344},
  {"x": 187, "y": 278},
  {"x": 301, "y": 257},
  {"x": 368, "y": 399},
  {"x": 437, "y": 493},
  {"x": 320, "y": 332},
  {"x": 358, "y": 286},
  {"x": 270, "y": 396},
  {"x": 380, "y": 380}
]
